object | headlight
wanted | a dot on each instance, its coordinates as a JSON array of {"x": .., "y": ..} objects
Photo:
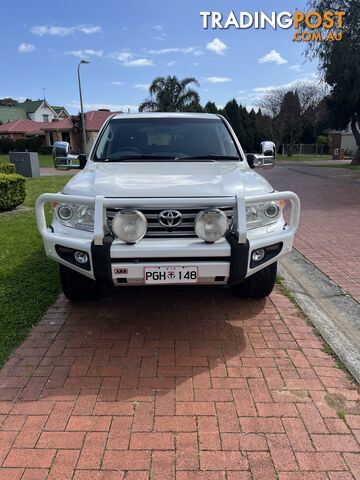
[
  {"x": 211, "y": 224},
  {"x": 76, "y": 216},
  {"x": 262, "y": 214},
  {"x": 129, "y": 225}
]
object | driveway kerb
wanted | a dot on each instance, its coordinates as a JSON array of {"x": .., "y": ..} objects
[{"x": 333, "y": 312}]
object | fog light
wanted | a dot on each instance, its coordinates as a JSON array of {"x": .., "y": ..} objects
[
  {"x": 81, "y": 257},
  {"x": 258, "y": 254}
]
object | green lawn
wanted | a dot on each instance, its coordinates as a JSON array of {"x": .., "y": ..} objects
[
  {"x": 304, "y": 158},
  {"x": 44, "y": 160},
  {"x": 28, "y": 280}
]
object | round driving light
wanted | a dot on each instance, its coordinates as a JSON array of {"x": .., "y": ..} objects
[
  {"x": 271, "y": 210},
  {"x": 65, "y": 212},
  {"x": 211, "y": 224},
  {"x": 129, "y": 225},
  {"x": 81, "y": 257},
  {"x": 258, "y": 254}
]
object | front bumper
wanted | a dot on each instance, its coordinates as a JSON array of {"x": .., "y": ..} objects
[{"x": 113, "y": 262}]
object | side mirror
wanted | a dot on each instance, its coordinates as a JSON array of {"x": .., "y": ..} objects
[
  {"x": 260, "y": 161},
  {"x": 63, "y": 160}
]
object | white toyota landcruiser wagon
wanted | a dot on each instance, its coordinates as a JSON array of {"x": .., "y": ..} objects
[{"x": 166, "y": 199}]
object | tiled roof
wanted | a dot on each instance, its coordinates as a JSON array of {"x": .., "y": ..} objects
[
  {"x": 22, "y": 126},
  {"x": 94, "y": 121},
  {"x": 9, "y": 114},
  {"x": 30, "y": 106}
]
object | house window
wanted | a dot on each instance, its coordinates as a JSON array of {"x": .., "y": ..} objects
[{"x": 45, "y": 118}]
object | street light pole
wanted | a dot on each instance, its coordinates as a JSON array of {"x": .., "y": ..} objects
[{"x": 82, "y": 107}]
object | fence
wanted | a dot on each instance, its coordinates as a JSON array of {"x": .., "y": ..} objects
[{"x": 307, "y": 149}]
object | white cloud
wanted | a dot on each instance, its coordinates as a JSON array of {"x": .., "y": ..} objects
[
  {"x": 158, "y": 27},
  {"x": 218, "y": 79},
  {"x": 217, "y": 46},
  {"x": 273, "y": 57},
  {"x": 117, "y": 83},
  {"x": 128, "y": 59},
  {"x": 142, "y": 86},
  {"x": 188, "y": 50},
  {"x": 88, "y": 52},
  {"x": 171, "y": 64},
  {"x": 60, "y": 31},
  {"x": 296, "y": 68},
  {"x": 26, "y": 48},
  {"x": 74, "y": 107}
]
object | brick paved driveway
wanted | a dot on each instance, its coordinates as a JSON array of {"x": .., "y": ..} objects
[
  {"x": 176, "y": 383},
  {"x": 329, "y": 227}
]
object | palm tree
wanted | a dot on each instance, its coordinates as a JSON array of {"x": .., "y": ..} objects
[{"x": 169, "y": 94}]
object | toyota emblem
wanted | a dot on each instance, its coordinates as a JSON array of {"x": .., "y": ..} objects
[{"x": 170, "y": 218}]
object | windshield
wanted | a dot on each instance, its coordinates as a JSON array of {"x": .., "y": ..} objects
[{"x": 157, "y": 139}]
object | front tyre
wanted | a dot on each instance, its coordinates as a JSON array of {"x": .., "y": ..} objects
[
  {"x": 77, "y": 287},
  {"x": 258, "y": 285}
]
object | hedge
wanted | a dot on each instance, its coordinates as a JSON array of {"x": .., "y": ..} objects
[
  {"x": 12, "y": 191},
  {"x": 7, "y": 168}
]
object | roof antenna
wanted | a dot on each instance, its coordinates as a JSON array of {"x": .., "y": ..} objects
[{"x": 44, "y": 93}]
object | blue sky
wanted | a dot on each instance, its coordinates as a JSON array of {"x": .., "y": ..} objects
[{"x": 130, "y": 42}]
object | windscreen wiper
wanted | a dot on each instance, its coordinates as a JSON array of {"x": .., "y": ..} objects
[
  {"x": 137, "y": 157},
  {"x": 209, "y": 157}
]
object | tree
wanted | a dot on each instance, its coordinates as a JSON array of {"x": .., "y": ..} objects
[
  {"x": 248, "y": 130},
  {"x": 210, "y": 107},
  {"x": 233, "y": 115},
  {"x": 340, "y": 64},
  {"x": 8, "y": 102},
  {"x": 169, "y": 94},
  {"x": 287, "y": 110}
]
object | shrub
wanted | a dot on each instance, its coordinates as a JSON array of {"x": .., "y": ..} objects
[
  {"x": 45, "y": 150},
  {"x": 7, "y": 168},
  {"x": 6, "y": 145},
  {"x": 12, "y": 191},
  {"x": 32, "y": 144}
]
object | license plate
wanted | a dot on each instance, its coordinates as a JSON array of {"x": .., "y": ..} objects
[{"x": 169, "y": 275}]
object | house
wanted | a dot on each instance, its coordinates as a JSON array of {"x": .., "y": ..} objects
[
  {"x": 57, "y": 130},
  {"x": 36, "y": 110},
  {"x": 342, "y": 143}
]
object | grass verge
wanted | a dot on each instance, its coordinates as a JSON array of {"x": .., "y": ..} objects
[
  {"x": 304, "y": 158},
  {"x": 44, "y": 160},
  {"x": 28, "y": 280}
]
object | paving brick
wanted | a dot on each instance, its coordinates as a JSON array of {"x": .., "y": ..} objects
[
  {"x": 175, "y": 424},
  {"x": 152, "y": 441},
  {"x": 119, "y": 435},
  {"x": 61, "y": 440},
  {"x": 209, "y": 437},
  {"x": 126, "y": 460},
  {"x": 261, "y": 466},
  {"x": 187, "y": 453},
  {"x": 93, "y": 449},
  {"x": 64, "y": 465},
  {"x": 297, "y": 434},
  {"x": 98, "y": 475},
  {"x": 86, "y": 423},
  {"x": 30, "y": 457},
  {"x": 320, "y": 461},
  {"x": 195, "y": 408},
  {"x": 335, "y": 443},
  {"x": 228, "y": 460},
  {"x": 312, "y": 419},
  {"x": 162, "y": 466}
]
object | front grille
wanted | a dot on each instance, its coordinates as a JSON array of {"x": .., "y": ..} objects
[{"x": 155, "y": 229}]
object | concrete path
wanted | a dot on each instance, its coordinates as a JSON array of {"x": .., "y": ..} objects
[
  {"x": 329, "y": 225},
  {"x": 178, "y": 384}
]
